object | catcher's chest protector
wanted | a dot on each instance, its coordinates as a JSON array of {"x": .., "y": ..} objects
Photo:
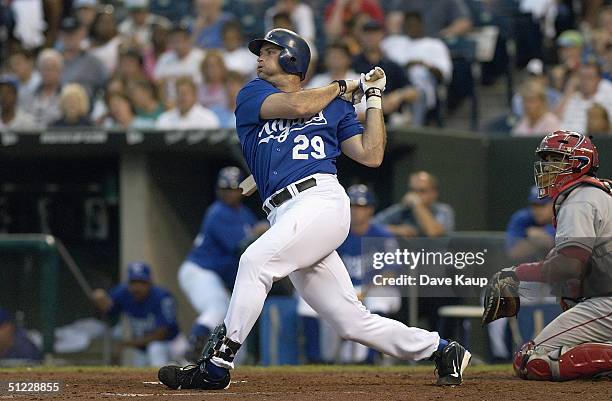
[{"x": 597, "y": 280}]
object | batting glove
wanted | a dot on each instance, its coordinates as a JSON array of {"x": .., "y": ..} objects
[{"x": 373, "y": 85}]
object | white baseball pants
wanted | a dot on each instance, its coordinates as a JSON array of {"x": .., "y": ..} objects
[
  {"x": 206, "y": 292},
  {"x": 301, "y": 243}
]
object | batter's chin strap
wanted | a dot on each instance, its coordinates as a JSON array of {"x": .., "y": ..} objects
[{"x": 218, "y": 345}]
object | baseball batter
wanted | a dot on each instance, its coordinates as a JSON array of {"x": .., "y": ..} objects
[
  {"x": 291, "y": 139},
  {"x": 578, "y": 343}
]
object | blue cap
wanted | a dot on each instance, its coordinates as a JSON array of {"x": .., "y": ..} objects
[
  {"x": 533, "y": 198},
  {"x": 5, "y": 316},
  {"x": 360, "y": 195},
  {"x": 139, "y": 271},
  {"x": 9, "y": 79},
  {"x": 229, "y": 178}
]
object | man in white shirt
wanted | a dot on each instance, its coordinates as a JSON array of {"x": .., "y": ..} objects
[
  {"x": 182, "y": 60},
  {"x": 235, "y": 54},
  {"x": 427, "y": 59},
  {"x": 11, "y": 116},
  {"x": 581, "y": 91},
  {"x": 138, "y": 26},
  {"x": 187, "y": 114}
]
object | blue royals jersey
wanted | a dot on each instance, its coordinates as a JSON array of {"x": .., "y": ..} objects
[
  {"x": 352, "y": 251},
  {"x": 217, "y": 244},
  {"x": 283, "y": 151},
  {"x": 157, "y": 310}
]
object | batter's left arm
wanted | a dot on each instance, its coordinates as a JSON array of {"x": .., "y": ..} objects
[{"x": 369, "y": 147}]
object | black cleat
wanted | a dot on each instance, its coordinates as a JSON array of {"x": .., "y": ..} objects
[
  {"x": 450, "y": 364},
  {"x": 191, "y": 377}
]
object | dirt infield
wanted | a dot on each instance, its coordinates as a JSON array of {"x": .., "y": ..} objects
[{"x": 310, "y": 383}]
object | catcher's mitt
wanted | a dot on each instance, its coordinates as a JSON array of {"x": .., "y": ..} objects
[{"x": 501, "y": 296}]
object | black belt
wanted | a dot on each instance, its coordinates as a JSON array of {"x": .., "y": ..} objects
[{"x": 284, "y": 195}]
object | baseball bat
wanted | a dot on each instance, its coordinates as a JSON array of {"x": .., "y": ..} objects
[{"x": 249, "y": 186}]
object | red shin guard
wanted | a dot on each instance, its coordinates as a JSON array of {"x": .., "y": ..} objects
[{"x": 584, "y": 360}]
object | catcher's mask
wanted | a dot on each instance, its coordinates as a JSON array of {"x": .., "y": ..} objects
[{"x": 563, "y": 157}]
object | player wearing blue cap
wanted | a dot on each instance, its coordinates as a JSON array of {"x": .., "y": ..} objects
[
  {"x": 208, "y": 273},
  {"x": 151, "y": 313},
  {"x": 14, "y": 341},
  {"x": 291, "y": 138}
]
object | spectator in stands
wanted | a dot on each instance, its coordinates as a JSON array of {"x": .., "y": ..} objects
[
  {"x": 235, "y": 54},
  {"x": 337, "y": 66},
  {"x": 570, "y": 51},
  {"x": 301, "y": 16},
  {"x": 28, "y": 23},
  {"x": 79, "y": 65},
  {"x": 150, "y": 311},
  {"x": 427, "y": 59},
  {"x": 538, "y": 119},
  {"x": 340, "y": 12},
  {"x": 44, "y": 102},
  {"x": 234, "y": 81},
  {"x": 122, "y": 114},
  {"x": 85, "y": 12},
  {"x": 536, "y": 72},
  {"x": 74, "y": 105},
  {"x": 100, "y": 110},
  {"x": 182, "y": 60},
  {"x": 14, "y": 341},
  {"x": 187, "y": 114},
  {"x": 175, "y": 11},
  {"x": 398, "y": 91},
  {"x": 137, "y": 28},
  {"x": 158, "y": 46},
  {"x": 419, "y": 214},
  {"x": 143, "y": 96},
  {"x": 21, "y": 64},
  {"x": 214, "y": 73},
  {"x": 598, "y": 121},
  {"x": 105, "y": 40},
  {"x": 580, "y": 93},
  {"x": 441, "y": 18},
  {"x": 131, "y": 65},
  {"x": 602, "y": 35},
  {"x": 207, "y": 26},
  {"x": 530, "y": 233},
  {"x": 12, "y": 116}
]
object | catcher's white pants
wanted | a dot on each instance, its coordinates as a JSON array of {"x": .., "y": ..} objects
[
  {"x": 301, "y": 243},
  {"x": 206, "y": 292}
]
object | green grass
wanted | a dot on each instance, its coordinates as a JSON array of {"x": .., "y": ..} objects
[{"x": 261, "y": 369}]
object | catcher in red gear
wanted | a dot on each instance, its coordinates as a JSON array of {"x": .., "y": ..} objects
[{"x": 578, "y": 343}]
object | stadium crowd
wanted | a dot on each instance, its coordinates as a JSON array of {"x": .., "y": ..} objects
[{"x": 142, "y": 64}]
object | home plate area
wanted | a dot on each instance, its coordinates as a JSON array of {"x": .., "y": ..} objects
[{"x": 315, "y": 383}]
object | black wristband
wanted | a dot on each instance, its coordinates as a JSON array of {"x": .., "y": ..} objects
[
  {"x": 342, "y": 85},
  {"x": 373, "y": 92}
]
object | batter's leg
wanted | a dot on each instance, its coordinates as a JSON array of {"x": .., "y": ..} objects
[{"x": 328, "y": 289}]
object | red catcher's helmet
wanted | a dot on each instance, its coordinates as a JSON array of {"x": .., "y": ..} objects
[{"x": 563, "y": 157}]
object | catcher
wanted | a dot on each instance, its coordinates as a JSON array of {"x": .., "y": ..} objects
[{"x": 578, "y": 343}]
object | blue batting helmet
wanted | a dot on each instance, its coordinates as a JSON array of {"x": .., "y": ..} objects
[
  {"x": 360, "y": 195},
  {"x": 295, "y": 56},
  {"x": 229, "y": 178}
]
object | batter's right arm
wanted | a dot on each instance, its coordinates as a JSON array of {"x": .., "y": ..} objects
[
  {"x": 369, "y": 148},
  {"x": 302, "y": 104}
]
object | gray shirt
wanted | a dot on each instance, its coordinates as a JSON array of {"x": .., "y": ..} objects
[
  {"x": 86, "y": 70},
  {"x": 585, "y": 220},
  {"x": 400, "y": 214}
]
